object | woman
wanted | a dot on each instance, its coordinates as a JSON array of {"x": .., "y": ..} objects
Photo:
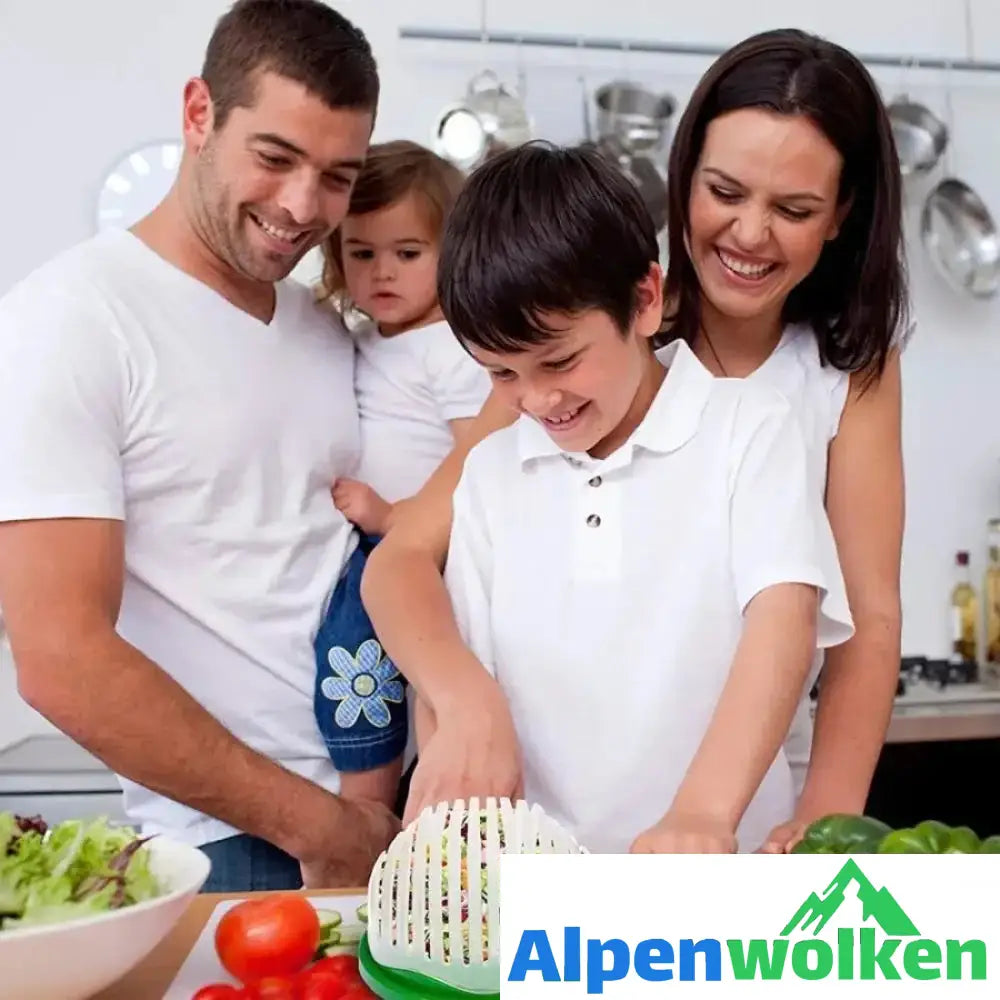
[{"x": 785, "y": 265}]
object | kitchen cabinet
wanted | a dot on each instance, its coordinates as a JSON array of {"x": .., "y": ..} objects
[{"x": 949, "y": 780}]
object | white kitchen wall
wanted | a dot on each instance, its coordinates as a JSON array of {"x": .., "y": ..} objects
[{"x": 98, "y": 78}]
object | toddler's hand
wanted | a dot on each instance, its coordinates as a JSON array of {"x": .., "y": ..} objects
[
  {"x": 688, "y": 833},
  {"x": 359, "y": 503}
]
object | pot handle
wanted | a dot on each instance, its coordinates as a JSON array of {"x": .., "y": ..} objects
[{"x": 484, "y": 76}]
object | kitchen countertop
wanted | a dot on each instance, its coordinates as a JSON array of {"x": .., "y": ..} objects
[
  {"x": 927, "y": 713},
  {"x": 948, "y": 721},
  {"x": 151, "y": 978}
]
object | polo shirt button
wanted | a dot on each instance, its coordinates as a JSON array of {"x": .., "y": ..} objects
[
  {"x": 593, "y": 521},
  {"x": 596, "y": 481}
]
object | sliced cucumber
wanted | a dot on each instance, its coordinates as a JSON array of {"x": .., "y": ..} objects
[
  {"x": 337, "y": 949},
  {"x": 351, "y": 933},
  {"x": 329, "y": 918},
  {"x": 363, "y": 913}
]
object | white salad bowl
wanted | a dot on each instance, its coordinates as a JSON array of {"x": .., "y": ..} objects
[{"x": 78, "y": 958}]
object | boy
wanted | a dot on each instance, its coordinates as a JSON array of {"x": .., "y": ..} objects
[{"x": 639, "y": 559}]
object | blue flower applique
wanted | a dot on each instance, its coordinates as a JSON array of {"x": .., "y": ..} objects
[{"x": 362, "y": 683}]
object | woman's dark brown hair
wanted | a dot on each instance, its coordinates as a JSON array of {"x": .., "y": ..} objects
[
  {"x": 855, "y": 298},
  {"x": 393, "y": 170}
]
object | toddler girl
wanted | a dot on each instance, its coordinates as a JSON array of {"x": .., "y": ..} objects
[{"x": 416, "y": 389}]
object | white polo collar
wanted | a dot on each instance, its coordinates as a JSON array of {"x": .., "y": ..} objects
[{"x": 669, "y": 424}]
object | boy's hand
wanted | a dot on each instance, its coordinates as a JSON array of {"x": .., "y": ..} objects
[
  {"x": 686, "y": 833},
  {"x": 473, "y": 749},
  {"x": 360, "y": 504}
]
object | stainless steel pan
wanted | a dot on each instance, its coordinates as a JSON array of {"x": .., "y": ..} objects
[
  {"x": 635, "y": 116},
  {"x": 961, "y": 239},
  {"x": 921, "y": 137}
]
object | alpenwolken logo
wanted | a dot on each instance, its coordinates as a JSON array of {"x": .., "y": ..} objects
[{"x": 880, "y": 942}]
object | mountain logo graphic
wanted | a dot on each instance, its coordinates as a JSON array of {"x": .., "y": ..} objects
[{"x": 877, "y": 904}]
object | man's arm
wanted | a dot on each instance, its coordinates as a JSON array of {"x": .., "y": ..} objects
[
  {"x": 60, "y": 589},
  {"x": 405, "y": 596}
]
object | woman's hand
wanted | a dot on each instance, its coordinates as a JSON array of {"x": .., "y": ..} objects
[{"x": 784, "y": 837}]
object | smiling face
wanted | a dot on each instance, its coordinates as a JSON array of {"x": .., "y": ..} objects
[
  {"x": 276, "y": 179},
  {"x": 590, "y": 384},
  {"x": 390, "y": 264},
  {"x": 763, "y": 203}
]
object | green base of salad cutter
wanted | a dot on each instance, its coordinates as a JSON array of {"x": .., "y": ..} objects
[{"x": 395, "y": 984}]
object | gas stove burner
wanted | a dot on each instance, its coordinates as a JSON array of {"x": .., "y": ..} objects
[
  {"x": 922, "y": 670},
  {"x": 940, "y": 672}
]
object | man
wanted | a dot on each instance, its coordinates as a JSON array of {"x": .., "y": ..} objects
[{"x": 172, "y": 416}]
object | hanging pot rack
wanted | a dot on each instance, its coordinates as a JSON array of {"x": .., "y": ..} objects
[{"x": 541, "y": 40}]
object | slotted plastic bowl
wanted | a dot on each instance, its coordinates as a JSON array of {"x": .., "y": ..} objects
[{"x": 434, "y": 898}]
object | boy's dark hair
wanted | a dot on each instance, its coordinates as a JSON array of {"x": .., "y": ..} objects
[
  {"x": 542, "y": 229},
  {"x": 393, "y": 170},
  {"x": 303, "y": 40},
  {"x": 855, "y": 298}
]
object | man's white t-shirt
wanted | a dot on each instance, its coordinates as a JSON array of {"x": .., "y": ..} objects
[
  {"x": 131, "y": 391},
  {"x": 607, "y": 596},
  {"x": 408, "y": 388}
]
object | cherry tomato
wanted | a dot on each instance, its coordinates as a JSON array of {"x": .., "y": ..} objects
[
  {"x": 343, "y": 968},
  {"x": 358, "y": 992},
  {"x": 320, "y": 989},
  {"x": 219, "y": 991},
  {"x": 331, "y": 978},
  {"x": 273, "y": 988},
  {"x": 275, "y": 935}
]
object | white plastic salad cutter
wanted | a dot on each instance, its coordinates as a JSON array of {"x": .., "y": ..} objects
[{"x": 434, "y": 898}]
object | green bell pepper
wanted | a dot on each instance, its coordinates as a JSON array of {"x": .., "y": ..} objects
[
  {"x": 991, "y": 845},
  {"x": 932, "y": 837},
  {"x": 842, "y": 833}
]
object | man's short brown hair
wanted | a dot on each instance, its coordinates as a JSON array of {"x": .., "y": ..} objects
[{"x": 303, "y": 40}]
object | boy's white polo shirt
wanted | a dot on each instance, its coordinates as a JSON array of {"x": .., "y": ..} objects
[{"x": 607, "y": 595}]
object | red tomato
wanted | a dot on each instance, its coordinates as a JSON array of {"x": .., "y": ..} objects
[
  {"x": 331, "y": 979},
  {"x": 341, "y": 967},
  {"x": 320, "y": 989},
  {"x": 218, "y": 991},
  {"x": 358, "y": 992},
  {"x": 271, "y": 936},
  {"x": 273, "y": 988}
]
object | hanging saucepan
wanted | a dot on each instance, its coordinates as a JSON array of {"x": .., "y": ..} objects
[
  {"x": 921, "y": 137},
  {"x": 961, "y": 239},
  {"x": 488, "y": 120},
  {"x": 635, "y": 116},
  {"x": 642, "y": 172}
]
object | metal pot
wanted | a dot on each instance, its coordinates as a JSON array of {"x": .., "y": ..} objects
[
  {"x": 961, "y": 239},
  {"x": 921, "y": 137},
  {"x": 643, "y": 173},
  {"x": 635, "y": 116},
  {"x": 488, "y": 120}
]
